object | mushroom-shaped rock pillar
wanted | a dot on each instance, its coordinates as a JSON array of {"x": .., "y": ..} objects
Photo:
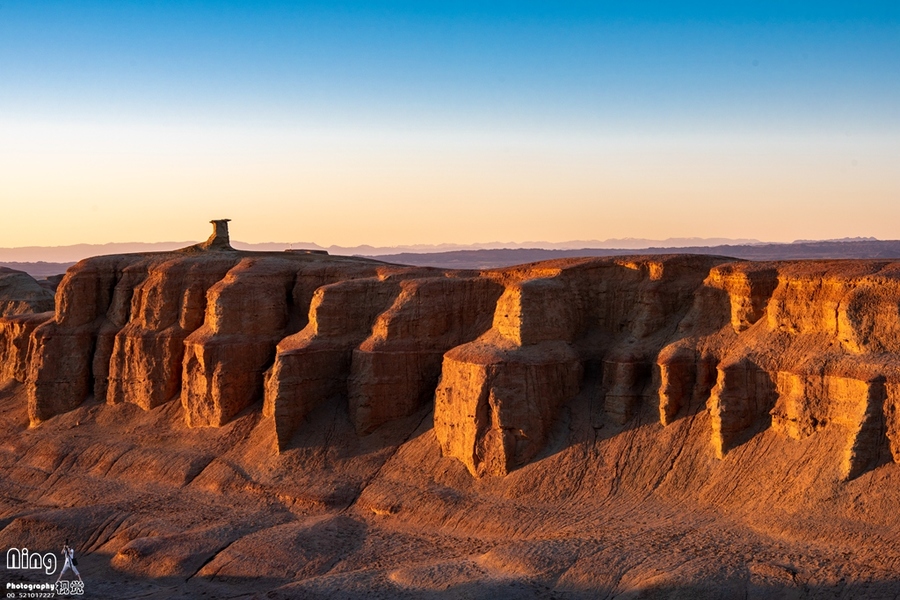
[{"x": 219, "y": 238}]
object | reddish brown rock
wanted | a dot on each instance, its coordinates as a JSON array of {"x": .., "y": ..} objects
[
  {"x": 741, "y": 399},
  {"x": 499, "y": 395},
  {"x": 60, "y": 370},
  {"x": 856, "y": 403},
  {"x": 395, "y": 371},
  {"x": 145, "y": 362},
  {"x": 51, "y": 283},
  {"x": 814, "y": 297},
  {"x": 224, "y": 360},
  {"x": 802, "y": 405},
  {"x": 685, "y": 376},
  {"x": 858, "y": 406},
  {"x": 117, "y": 316},
  {"x": 20, "y": 294},
  {"x": 496, "y": 402},
  {"x": 624, "y": 378},
  {"x": 314, "y": 364},
  {"x": 223, "y": 329},
  {"x": 892, "y": 419},
  {"x": 749, "y": 287},
  {"x": 15, "y": 342},
  {"x": 550, "y": 377},
  {"x": 538, "y": 310}
]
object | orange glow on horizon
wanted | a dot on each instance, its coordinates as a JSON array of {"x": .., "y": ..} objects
[{"x": 65, "y": 184}]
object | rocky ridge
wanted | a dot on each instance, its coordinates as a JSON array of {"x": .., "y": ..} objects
[
  {"x": 518, "y": 412},
  {"x": 792, "y": 346}
]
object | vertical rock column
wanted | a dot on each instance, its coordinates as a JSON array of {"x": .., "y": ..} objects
[
  {"x": 685, "y": 376},
  {"x": 749, "y": 287},
  {"x": 624, "y": 377},
  {"x": 677, "y": 375},
  {"x": 892, "y": 418},
  {"x": 742, "y": 397},
  {"x": 224, "y": 360},
  {"x": 314, "y": 364},
  {"x": 15, "y": 341},
  {"x": 858, "y": 406},
  {"x": 59, "y": 374},
  {"x": 395, "y": 371},
  {"x": 500, "y": 394},
  {"x": 145, "y": 365},
  {"x": 798, "y": 410},
  {"x": 117, "y": 317}
]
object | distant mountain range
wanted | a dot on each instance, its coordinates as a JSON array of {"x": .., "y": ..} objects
[
  {"x": 74, "y": 253},
  {"x": 44, "y": 261},
  {"x": 487, "y": 259}
]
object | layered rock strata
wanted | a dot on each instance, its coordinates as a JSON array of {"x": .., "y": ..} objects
[
  {"x": 794, "y": 347},
  {"x": 396, "y": 369},
  {"x": 314, "y": 364}
]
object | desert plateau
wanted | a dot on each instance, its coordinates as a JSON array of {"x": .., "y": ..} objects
[
  {"x": 515, "y": 300},
  {"x": 215, "y": 423}
]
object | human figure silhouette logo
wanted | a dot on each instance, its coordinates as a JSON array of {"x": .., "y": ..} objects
[{"x": 70, "y": 586}]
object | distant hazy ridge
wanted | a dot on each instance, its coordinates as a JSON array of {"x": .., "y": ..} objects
[{"x": 42, "y": 261}]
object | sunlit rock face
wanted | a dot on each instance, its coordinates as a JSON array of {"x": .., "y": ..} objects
[
  {"x": 496, "y": 355},
  {"x": 211, "y": 419}
]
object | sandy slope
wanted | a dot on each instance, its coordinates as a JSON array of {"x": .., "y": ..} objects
[{"x": 158, "y": 510}]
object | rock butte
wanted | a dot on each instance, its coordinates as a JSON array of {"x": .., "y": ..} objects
[{"x": 503, "y": 362}]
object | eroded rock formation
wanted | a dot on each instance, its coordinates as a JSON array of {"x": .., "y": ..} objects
[
  {"x": 21, "y": 294},
  {"x": 795, "y": 347},
  {"x": 216, "y": 423}
]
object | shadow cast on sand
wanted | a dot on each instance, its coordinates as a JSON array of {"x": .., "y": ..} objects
[{"x": 367, "y": 586}]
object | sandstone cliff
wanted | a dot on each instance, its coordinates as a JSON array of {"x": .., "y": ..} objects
[
  {"x": 487, "y": 404},
  {"x": 793, "y": 346}
]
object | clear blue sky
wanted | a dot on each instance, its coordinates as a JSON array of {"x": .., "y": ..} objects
[{"x": 425, "y": 122}]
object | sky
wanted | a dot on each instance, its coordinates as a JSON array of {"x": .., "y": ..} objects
[{"x": 392, "y": 123}]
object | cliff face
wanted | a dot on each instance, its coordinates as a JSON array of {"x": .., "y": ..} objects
[
  {"x": 333, "y": 425},
  {"x": 821, "y": 354},
  {"x": 797, "y": 347}
]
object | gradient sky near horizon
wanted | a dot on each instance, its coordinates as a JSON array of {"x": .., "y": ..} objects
[{"x": 391, "y": 123}]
